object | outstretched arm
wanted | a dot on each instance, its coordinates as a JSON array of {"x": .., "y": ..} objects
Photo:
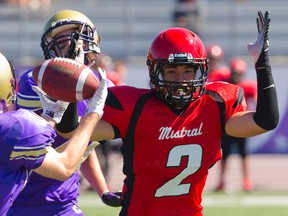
[
  {"x": 63, "y": 162},
  {"x": 266, "y": 117},
  {"x": 60, "y": 164}
]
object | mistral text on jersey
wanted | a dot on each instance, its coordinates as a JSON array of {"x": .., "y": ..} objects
[{"x": 169, "y": 133}]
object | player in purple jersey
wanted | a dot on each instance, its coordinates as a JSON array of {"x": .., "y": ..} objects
[
  {"x": 69, "y": 34},
  {"x": 26, "y": 138},
  {"x": 171, "y": 132}
]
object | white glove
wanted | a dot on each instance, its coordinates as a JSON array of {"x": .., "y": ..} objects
[
  {"x": 53, "y": 109},
  {"x": 262, "y": 43},
  {"x": 97, "y": 101}
]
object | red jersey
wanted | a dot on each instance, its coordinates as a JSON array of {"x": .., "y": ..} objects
[{"x": 167, "y": 155}]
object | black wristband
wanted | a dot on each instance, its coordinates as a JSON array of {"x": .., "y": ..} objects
[
  {"x": 267, "y": 112},
  {"x": 69, "y": 121}
]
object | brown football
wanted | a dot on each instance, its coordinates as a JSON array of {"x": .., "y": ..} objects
[{"x": 65, "y": 79}]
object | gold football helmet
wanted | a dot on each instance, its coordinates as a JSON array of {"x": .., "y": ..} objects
[
  {"x": 53, "y": 38},
  {"x": 7, "y": 84}
]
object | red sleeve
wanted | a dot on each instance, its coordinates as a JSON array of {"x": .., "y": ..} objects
[
  {"x": 232, "y": 97},
  {"x": 119, "y": 107}
]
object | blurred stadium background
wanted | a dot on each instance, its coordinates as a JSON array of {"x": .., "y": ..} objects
[{"x": 128, "y": 26}]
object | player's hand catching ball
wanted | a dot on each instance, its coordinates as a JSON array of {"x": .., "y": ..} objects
[
  {"x": 53, "y": 109},
  {"x": 97, "y": 101}
]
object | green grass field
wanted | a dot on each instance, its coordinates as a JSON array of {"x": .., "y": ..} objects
[{"x": 215, "y": 204}]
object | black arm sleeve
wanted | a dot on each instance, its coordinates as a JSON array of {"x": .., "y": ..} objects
[
  {"x": 69, "y": 121},
  {"x": 267, "y": 113}
]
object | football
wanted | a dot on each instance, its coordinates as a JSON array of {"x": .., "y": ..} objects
[{"x": 65, "y": 79}]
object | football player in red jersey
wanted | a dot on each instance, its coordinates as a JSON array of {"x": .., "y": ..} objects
[
  {"x": 171, "y": 132},
  {"x": 238, "y": 68}
]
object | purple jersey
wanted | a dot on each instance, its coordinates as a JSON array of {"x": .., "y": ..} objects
[
  {"x": 45, "y": 196},
  {"x": 24, "y": 139},
  {"x": 26, "y": 97}
]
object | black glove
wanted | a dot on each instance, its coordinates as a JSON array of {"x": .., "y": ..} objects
[
  {"x": 112, "y": 198},
  {"x": 259, "y": 49}
]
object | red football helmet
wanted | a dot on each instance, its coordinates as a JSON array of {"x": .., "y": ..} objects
[{"x": 177, "y": 46}]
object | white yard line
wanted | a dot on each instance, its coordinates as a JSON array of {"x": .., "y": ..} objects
[
  {"x": 245, "y": 201},
  {"x": 220, "y": 201}
]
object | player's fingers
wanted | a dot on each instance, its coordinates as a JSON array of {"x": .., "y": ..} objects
[
  {"x": 102, "y": 73},
  {"x": 38, "y": 90}
]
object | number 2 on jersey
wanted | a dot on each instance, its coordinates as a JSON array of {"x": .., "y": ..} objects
[{"x": 173, "y": 187}]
